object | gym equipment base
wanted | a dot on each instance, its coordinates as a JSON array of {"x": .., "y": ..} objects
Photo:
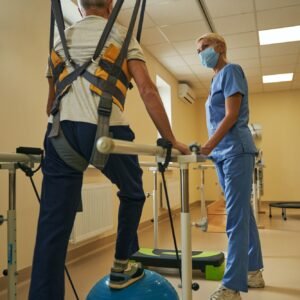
[
  {"x": 283, "y": 206},
  {"x": 208, "y": 262}
]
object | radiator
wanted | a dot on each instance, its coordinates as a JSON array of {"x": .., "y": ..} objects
[
  {"x": 97, "y": 215},
  {"x": 173, "y": 187}
]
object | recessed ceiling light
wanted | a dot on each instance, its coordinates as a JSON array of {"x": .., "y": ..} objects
[
  {"x": 278, "y": 78},
  {"x": 279, "y": 35}
]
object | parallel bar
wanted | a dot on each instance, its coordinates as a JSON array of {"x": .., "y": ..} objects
[
  {"x": 150, "y": 165},
  {"x": 204, "y": 166},
  {"x": 107, "y": 145},
  {"x": 15, "y": 158}
]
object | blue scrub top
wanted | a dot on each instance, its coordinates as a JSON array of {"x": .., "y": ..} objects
[{"x": 229, "y": 81}]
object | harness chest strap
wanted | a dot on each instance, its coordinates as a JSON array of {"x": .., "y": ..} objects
[
  {"x": 100, "y": 80},
  {"x": 111, "y": 75}
]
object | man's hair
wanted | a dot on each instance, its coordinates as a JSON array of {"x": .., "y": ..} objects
[
  {"x": 213, "y": 37},
  {"x": 92, "y": 3}
]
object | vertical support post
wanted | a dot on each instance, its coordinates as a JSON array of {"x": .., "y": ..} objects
[
  {"x": 202, "y": 189},
  {"x": 155, "y": 208},
  {"x": 186, "y": 247},
  {"x": 11, "y": 237},
  {"x": 254, "y": 195},
  {"x": 258, "y": 185},
  {"x": 203, "y": 223},
  {"x": 257, "y": 193}
]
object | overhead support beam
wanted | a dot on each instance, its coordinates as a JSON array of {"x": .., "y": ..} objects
[{"x": 207, "y": 16}]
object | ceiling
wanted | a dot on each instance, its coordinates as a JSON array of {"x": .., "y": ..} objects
[{"x": 172, "y": 26}]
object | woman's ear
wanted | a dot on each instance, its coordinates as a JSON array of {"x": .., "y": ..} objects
[
  {"x": 220, "y": 48},
  {"x": 110, "y": 6}
]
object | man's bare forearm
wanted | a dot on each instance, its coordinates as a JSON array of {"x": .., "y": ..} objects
[{"x": 157, "y": 113}]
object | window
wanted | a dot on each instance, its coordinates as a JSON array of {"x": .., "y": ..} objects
[{"x": 164, "y": 90}]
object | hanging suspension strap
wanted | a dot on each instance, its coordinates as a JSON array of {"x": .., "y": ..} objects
[
  {"x": 106, "y": 98},
  {"x": 141, "y": 21},
  {"x": 58, "y": 15},
  {"x": 52, "y": 26}
]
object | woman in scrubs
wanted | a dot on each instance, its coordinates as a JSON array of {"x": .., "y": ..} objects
[{"x": 231, "y": 147}]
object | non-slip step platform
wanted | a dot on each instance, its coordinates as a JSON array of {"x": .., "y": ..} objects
[{"x": 209, "y": 262}]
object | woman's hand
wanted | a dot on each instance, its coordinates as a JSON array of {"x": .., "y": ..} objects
[{"x": 205, "y": 150}]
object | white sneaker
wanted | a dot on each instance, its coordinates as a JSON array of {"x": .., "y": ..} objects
[
  {"x": 223, "y": 293},
  {"x": 255, "y": 279}
]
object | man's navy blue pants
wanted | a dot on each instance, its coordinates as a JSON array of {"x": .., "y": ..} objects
[{"x": 60, "y": 198}]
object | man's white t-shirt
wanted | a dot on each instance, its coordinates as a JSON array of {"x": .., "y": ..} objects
[{"x": 80, "y": 104}]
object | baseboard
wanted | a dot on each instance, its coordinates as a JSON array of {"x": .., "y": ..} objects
[
  {"x": 272, "y": 201},
  {"x": 23, "y": 275}
]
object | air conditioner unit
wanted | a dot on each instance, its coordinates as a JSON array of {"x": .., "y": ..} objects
[{"x": 185, "y": 93}]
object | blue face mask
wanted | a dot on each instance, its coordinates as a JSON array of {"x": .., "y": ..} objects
[{"x": 209, "y": 57}]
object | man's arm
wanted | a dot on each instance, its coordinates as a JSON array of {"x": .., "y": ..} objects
[
  {"x": 232, "y": 109},
  {"x": 153, "y": 103},
  {"x": 51, "y": 95}
]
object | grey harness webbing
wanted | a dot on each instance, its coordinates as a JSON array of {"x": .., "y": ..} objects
[
  {"x": 63, "y": 148},
  {"x": 106, "y": 101},
  {"x": 104, "y": 111}
]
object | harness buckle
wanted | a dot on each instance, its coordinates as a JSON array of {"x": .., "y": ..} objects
[
  {"x": 104, "y": 111},
  {"x": 54, "y": 110},
  {"x": 69, "y": 62}
]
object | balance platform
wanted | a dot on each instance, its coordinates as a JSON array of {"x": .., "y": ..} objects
[{"x": 211, "y": 263}]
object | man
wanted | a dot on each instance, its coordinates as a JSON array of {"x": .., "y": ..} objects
[{"x": 61, "y": 186}]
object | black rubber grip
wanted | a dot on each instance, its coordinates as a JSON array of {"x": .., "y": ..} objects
[{"x": 29, "y": 150}]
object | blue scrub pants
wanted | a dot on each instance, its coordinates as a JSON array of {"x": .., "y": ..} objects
[
  {"x": 244, "y": 250},
  {"x": 60, "y": 198}
]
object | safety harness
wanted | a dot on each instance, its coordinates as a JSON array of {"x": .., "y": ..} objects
[{"x": 110, "y": 81}]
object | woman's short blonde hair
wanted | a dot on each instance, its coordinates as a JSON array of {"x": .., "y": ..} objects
[{"x": 213, "y": 37}]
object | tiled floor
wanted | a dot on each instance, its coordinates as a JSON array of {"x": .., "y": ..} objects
[{"x": 281, "y": 250}]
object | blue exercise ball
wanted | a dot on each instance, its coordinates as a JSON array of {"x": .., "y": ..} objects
[{"x": 151, "y": 287}]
